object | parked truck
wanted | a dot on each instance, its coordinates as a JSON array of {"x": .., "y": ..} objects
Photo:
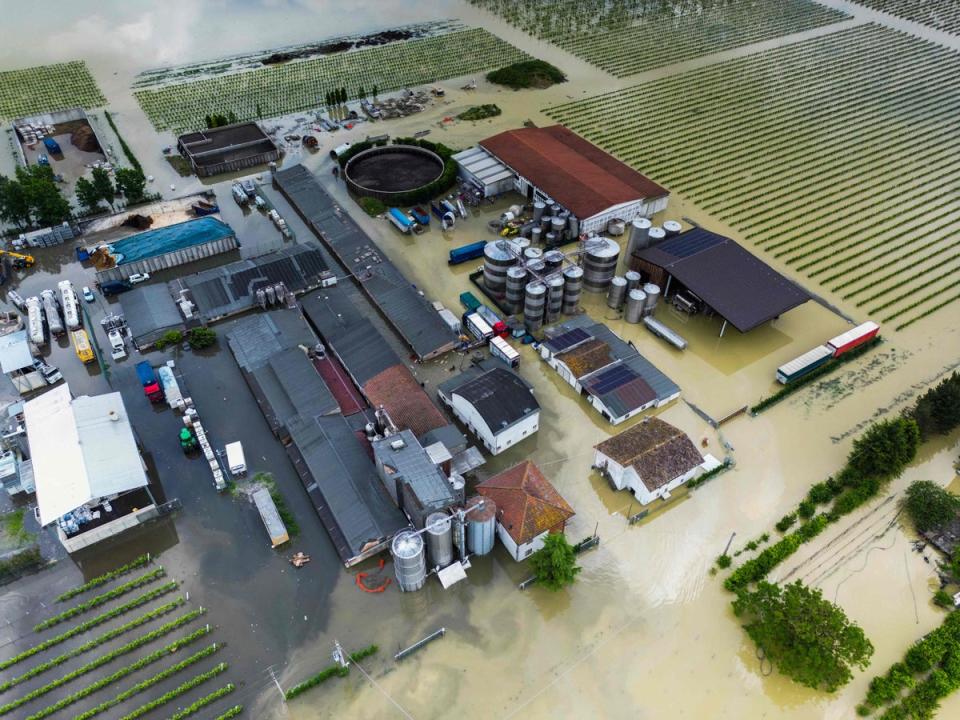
[
  {"x": 115, "y": 287},
  {"x": 52, "y": 146},
  {"x": 466, "y": 252},
  {"x": 148, "y": 379}
]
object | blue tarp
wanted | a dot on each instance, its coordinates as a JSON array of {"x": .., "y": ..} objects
[{"x": 161, "y": 241}]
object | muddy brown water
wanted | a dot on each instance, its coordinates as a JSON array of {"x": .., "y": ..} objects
[{"x": 646, "y": 631}]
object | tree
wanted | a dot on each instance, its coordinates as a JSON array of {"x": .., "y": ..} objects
[
  {"x": 47, "y": 205},
  {"x": 131, "y": 183},
  {"x": 930, "y": 506},
  {"x": 343, "y": 95},
  {"x": 87, "y": 195},
  {"x": 807, "y": 638},
  {"x": 937, "y": 411},
  {"x": 555, "y": 564},
  {"x": 375, "y": 88},
  {"x": 201, "y": 337},
  {"x": 259, "y": 112},
  {"x": 103, "y": 186},
  {"x": 14, "y": 206},
  {"x": 360, "y": 93},
  {"x": 884, "y": 450}
]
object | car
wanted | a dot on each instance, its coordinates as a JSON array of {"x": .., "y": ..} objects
[
  {"x": 87, "y": 294},
  {"x": 42, "y": 159},
  {"x": 50, "y": 374},
  {"x": 138, "y": 278}
]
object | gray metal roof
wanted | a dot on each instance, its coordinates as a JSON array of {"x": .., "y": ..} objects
[
  {"x": 363, "y": 351},
  {"x": 412, "y": 465},
  {"x": 452, "y": 439},
  {"x": 301, "y": 383},
  {"x": 15, "y": 351},
  {"x": 150, "y": 312},
  {"x": 410, "y": 314},
  {"x": 343, "y": 485},
  {"x": 500, "y": 396},
  {"x": 256, "y": 338}
]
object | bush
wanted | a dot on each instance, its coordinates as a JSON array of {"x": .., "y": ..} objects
[
  {"x": 806, "y": 509},
  {"x": 372, "y": 206},
  {"x": 937, "y": 411},
  {"x": 527, "y": 74},
  {"x": 943, "y": 599},
  {"x": 786, "y": 522},
  {"x": 266, "y": 479},
  {"x": 930, "y": 506},
  {"x": 822, "y": 492},
  {"x": 885, "y": 449},
  {"x": 201, "y": 337},
  {"x": 15, "y": 564},
  {"x": 724, "y": 561},
  {"x": 480, "y": 112},
  {"x": 231, "y": 713},
  {"x": 131, "y": 158},
  {"x": 170, "y": 337}
]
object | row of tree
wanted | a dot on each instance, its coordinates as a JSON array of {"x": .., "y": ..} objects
[
  {"x": 338, "y": 96},
  {"x": 937, "y": 411},
  {"x": 129, "y": 182}
]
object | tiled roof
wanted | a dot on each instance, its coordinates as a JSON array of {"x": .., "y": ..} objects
[
  {"x": 405, "y": 401},
  {"x": 587, "y": 358},
  {"x": 527, "y": 504},
  {"x": 657, "y": 450}
]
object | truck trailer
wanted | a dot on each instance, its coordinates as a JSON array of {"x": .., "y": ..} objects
[
  {"x": 806, "y": 363},
  {"x": 466, "y": 252},
  {"x": 148, "y": 379}
]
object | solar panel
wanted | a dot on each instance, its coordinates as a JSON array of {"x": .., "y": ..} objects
[
  {"x": 611, "y": 379},
  {"x": 568, "y": 339},
  {"x": 692, "y": 242}
]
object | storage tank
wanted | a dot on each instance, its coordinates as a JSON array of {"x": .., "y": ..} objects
[
  {"x": 551, "y": 239},
  {"x": 599, "y": 263},
  {"x": 516, "y": 282},
  {"x": 71, "y": 306},
  {"x": 409, "y": 561},
  {"x": 572, "y": 287},
  {"x": 35, "y": 321},
  {"x": 535, "y": 268},
  {"x": 617, "y": 292},
  {"x": 555, "y": 209},
  {"x": 639, "y": 238},
  {"x": 532, "y": 253},
  {"x": 633, "y": 279},
  {"x": 553, "y": 259},
  {"x": 439, "y": 532},
  {"x": 533, "y": 305},
  {"x": 536, "y": 236},
  {"x": 655, "y": 235},
  {"x": 498, "y": 257},
  {"x": 558, "y": 227},
  {"x": 520, "y": 243},
  {"x": 554, "y": 297},
  {"x": 616, "y": 227},
  {"x": 636, "y": 300},
  {"x": 271, "y": 295},
  {"x": 481, "y": 525},
  {"x": 54, "y": 323},
  {"x": 261, "y": 298},
  {"x": 538, "y": 208},
  {"x": 573, "y": 226},
  {"x": 653, "y": 295},
  {"x": 672, "y": 228}
]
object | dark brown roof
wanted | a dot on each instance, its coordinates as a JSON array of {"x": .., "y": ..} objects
[
  {"x": 735, "y": 283},
  {"x": 657, "y": 450},
  {"x": 587, "y": 358},
  {"x": 575, "y": 173},
  {"x": 527, "y": 504},
  {"x": 405, "y": 401}
]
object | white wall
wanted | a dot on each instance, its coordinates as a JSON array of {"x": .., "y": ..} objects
[
  {"x": 625, "y": 211},
  {"x": 521, "y": 552},
  {"x": 495, "y": 443},
  {"x": 627, "y": 477}
]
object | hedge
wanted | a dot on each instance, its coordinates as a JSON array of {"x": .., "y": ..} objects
[
  {"x": 177, "y": 692},
  {"x": 203, "y": 702},
  {"x": 757, "y": 568},
  {"x": 21, "y": 561},
  {"x": 100, "y": 599},
  {"x": 105, "y": 578},
  {"x": 231, "y": 713},
  {"x": 131, "y": 158}
]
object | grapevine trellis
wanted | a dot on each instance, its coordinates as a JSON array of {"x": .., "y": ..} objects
[
  {"x": 836, "y": 155},
  {"x": 939, "y": 14},
  {"x": 630, "y": 36},
  {"x": 296, "y": 86},
  {"x": 47, "y": 88}
]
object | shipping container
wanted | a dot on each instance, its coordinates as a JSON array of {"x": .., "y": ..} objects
[
  {"x": 500, "y": 348},
  {"x": 466, "y": 252},
  {"x": 469, "y": 300},
  {"x": 477, "y": 326},
  {"x": 451, "y": 320},
  {"x": 806, "y": 363},
  {"x": 851, "y": 338}
]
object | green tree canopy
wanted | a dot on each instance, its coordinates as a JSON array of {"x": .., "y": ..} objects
[
  {"x": 937, "y": 411},
  {"x": 201, "y": 337},
  {"x": 87, "y": 195},
  {"x": 47, "y": 205},
  {"x": 104, "y": 186},
  {"x": 131, "y": 183},
  {"x": 555, "y": 564},
  {"x": 14, "y": 205},
  {"x": 805, "y": 637},
  {"x": 884, "y": 450},
  {"x": 930, "y": 506}
]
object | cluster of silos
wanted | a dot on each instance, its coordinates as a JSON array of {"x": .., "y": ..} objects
[
  {"x": 600, "y": 256},
  {"x": 644, "y": 234},
  {"x": 639, "y": 302},
  {"x": 409, "y": 560},
  {"x": 552, "y": 225}
]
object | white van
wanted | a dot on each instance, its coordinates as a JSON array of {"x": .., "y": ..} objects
[{"x": 236, "y": 462}]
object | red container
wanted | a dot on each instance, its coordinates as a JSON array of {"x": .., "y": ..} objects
[{"x": 852, "y": 338}]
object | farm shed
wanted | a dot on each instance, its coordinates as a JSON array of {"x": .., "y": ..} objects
[
  {"x": 150, "y": 312},
  {"x": 477, "y": 166},
  {"x": 227, "y": 149},
  {"x": 554, "y": 164},
  {"x": 732, "y": 282}
]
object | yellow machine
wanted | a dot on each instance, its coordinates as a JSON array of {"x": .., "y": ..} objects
[
  {"x": 18, "y": 259},
  {"x": 81, "y": 344}
]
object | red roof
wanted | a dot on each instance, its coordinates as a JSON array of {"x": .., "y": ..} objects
[
  {"x": 405, "y": 401},
  {"x": 527, "y": 504},
  {"x": 573, "y": 172}
]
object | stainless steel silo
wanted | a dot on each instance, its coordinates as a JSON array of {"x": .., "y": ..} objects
[
  {"x": 409, "y": 561},
  {"x": 536, "y": 235},
  {"x": 439, "y": 532},
  {"x": 538, "y": 208},
  {"x": 533, "y": 253},
  {"x": 599, "y": 263},
  {"x": 558, "y": 227},
  {"x": 516, "y": 282},
  {"x": 633, "y": 279},
  {"x": 672, "y": 228},
  {"x": 554, "y": 297},
  {"x": 639, "y": 238},
  {"x": 636, "y": 299},
  {"x": 534, "y": 304},
  {"x": 572, "y": 287},
  {"x": 553, "y": 259},
  {"x": 498, "y": 257},
  {"x": 653, "y": 295},
  {"x": 616, "y": 227},
  {"x": 481, "y": 525},
  {"x": 617, "y": 292}
]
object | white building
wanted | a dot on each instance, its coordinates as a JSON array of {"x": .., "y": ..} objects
[
  {"x": 528, "y": 508},
  {"x": 16, "y": 362},
  {"x": 650, "y": 459},
  {"x": 90, "y": 479},
  {"x": 555, "y": 165},
  {"x": 495, "y": 404}
]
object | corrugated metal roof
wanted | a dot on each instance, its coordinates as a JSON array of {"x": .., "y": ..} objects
[
  {"x": 15, "y": 351},
  {"x": 501, "y": 397},
  {"x": 413, "y": 465},
  {"x": 159, "y": 241},
  {"x": 302, "y": 383},
  {"x": 363, "y": 351},
  {"x": 150, "y": 311},
  {"x": 271, "y": 518}
]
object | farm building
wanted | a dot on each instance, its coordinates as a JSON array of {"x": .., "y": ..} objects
[
  {"x": 227, "y": 149},
  {"x": 16, "y": 362},
  {"x": 712, "y": 273},
  {"x": 555, "y": 165},
  {"x": 89, "y": 474},
  {"x": 650, "y": 459},
  {"x": 617, "y": 380},
  {"x": 528, "y": 508},
  {"x": 495, "y": 404},
  {"x": 150, "y": 312}
]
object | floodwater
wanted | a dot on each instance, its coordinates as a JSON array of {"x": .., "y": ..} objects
[{"x": 646, "y": 631}]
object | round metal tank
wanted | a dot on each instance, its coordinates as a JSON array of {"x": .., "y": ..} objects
[
  {"x": 532, "y": 253},
  {"x": 573, "y": 225},
  {"x": 498, "y": 257},
  {"x": 655, "y": 235},
  {"x": 639, "y": 235},
  {"x": 554, "y": 297},
  {"x": 672, "y": 228},
  {"x": 616, "y": 227},
  {"x": 617, "y": 292},
  {"x": 516, "y": 210},
  {"x": 555, "y": 209},
  {"x": 481, "y": 525},
  {"x": 538, "y": 208},
  {"x": 653, "y": 295},
  {"x": 558, "y": 226},
  {"x": 599, "y": 263},
  {"x": 545, "y": 222},
  {"x": 535, "y": 267},
  {"x": 553, "y": 259},
  {"x": 536, "y": 236},
  {"x": 572, "y": 287},
  {"x": 636, "y": 300},
  {"x": 551, "y": 239},
  {"x": 439, "y": 539},
  {"x": 534, "y": 303},
  {"x": 409, "y": 560},
  {"x": 516, "y": 282},
  {"x": 521, "y": 243},
  {"x": 633, "y": 279}
]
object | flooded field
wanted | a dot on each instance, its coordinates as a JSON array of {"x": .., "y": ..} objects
[{"x": 646, "y": 631}]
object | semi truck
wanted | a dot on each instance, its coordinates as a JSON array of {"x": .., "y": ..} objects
[
  {"x": 500, "y": 348},
  {"x": 148, "y": 379},
  {"x": 477, "y": 326}
]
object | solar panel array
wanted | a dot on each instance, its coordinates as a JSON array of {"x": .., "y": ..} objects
[
  {"x": 693, "y": 242},
  {"x": 611, "y": 379},
  {"x": 568, "y": 339}
]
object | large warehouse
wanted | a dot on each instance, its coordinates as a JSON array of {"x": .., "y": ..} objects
[
  {"x": 711, "y": 273},
  {"x": 555, "y": 165}
]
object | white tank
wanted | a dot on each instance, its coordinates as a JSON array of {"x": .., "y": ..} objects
[
  {"x": 71, "y": 306},
  {"x": 618, "y": 289},
  {"x": 538, "y": 208},
  {"x": 536, "y": 236},
  {"x": 572, "y": 287},
  {"x": 439, "y": 532},
  {"x": 54, "y": 324},
  {"x": 616, "y": 227},
  {"x": 653, "y": 295},
  {"x": 636, "y": 299},
  {"x": 35, "y": 321},
  {"x": 639, "y": 239},
  {"x": 533, "y": 253},
  {"x": 409, "y": 561},
  {"x": 655, "y": 235},
  {"x": 672, "y": 228},
  {"x": 481, "y": 525},
  {"x": 633, "y": 279}
]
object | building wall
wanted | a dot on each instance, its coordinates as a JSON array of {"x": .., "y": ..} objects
[
  {"x": 495, "y": 443},
  {"x": 561, "y": 368},
  {"x": 628, "y": 478},
  {"x": 645, "y": 207},
  {"x": 169, "y": 260},
  {"x": 234, "y": 165},
  {"x": 523, "y": 551},
  {"x": 120, "y": 525}
]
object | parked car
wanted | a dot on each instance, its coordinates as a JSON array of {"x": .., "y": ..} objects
[
  {"x": 50, "y": 373},
  {"x": 139, "y": 278},
  {"x": 42, "y": 159},
  {"x": 117, "y": 349},
  {"x": 87, "y": 294}
]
